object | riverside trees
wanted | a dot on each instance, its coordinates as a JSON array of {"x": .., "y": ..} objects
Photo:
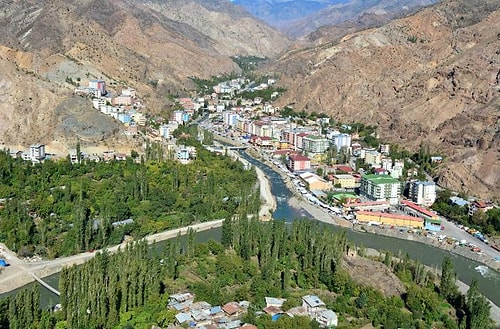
[
  {"x": 131, "y": 288},
  {"x": 60, "y": 208}
]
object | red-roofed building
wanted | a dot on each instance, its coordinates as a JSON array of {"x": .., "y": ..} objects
[
  {"x": 272, "y": 310},
  {"x": 421, "y": 211},
  {"x": 344, "y": 169},
  {"x": 262, "y": 141},
  {"x": 231, "y": 308},
  {"x": 383, "y": 218},
  {"x": 299, "y": 162},
  {"x": 279, "y": 153},
  {"x": 479, "y": 206},
  {"x": 380, "y": 171}
]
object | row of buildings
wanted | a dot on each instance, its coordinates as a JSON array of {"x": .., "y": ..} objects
[{"x": 202, "y": 315}]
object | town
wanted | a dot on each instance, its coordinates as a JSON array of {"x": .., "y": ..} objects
[
  {"x": 342, "y": 168},
  {"x": 339, "y": 168}
]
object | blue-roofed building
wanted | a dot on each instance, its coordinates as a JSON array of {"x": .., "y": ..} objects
[
  {"x": 312, "y": 302},
  {"x": 459, "y": 201},
  {"x": 183, "y": 318},
  {"x": 215, "y": 310}
]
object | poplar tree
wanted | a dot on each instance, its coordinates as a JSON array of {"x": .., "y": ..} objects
[
  {"x": 448, "y": 287},
  {"x": 478, "y": 308}
]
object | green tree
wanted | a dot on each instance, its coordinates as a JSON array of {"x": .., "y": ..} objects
[
  {"x": 448, "y": 287},
  {"x": 478, "y": 308}
]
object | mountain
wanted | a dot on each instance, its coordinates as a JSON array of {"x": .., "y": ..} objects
[
  {"x": 299, "y": 18},
  {"x": 432, "y": 78},
  {"x": 277, "y": 12},
  {"x": 153, "y": 46}
]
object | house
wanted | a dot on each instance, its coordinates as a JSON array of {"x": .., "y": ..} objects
[
  {"x": 436, "y": 159},
  {"x": 312, "y": 303},
  {"x": 479, "y": 206},
  {"x": 231, "y": 308},
  {"x": 298, "y": 162},
  {"x": 183, "y": 318},
  {"x": 341, "y": 141},
  {"x": 272, "y": 310},
  {"x": 344, "y": 169},
  {"x": 122, "y": 222},
  {"x": 272, "y": 301},
  {"x": 297, "y": 311},
  {"x": 314, "y": 182},
  {"x": 326, "y": 318},
  {"x": 215, "y": 310},
  {"x": 180, "y": 298}
]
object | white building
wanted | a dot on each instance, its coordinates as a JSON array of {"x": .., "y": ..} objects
[
  {"x": 380, "y": 188},
  {"x": 315, "y": 144},
  {"x": 177, "y": 116},
  {"x": 397, "y": 169},
  {"x": 37, "y": 152},
  {"x": 341, "y": 140},
  {"x": 326, "y": 318},
  {"x": 423, "y": 193}
]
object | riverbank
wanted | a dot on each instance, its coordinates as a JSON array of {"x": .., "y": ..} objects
[
  {"x": 462, "y": 287},
  {"x": 430, "y": 240},
  {"x": 18, "y": 273},
  {"x": 318, "y": 213},
  {"x": 269, "y": 201}
]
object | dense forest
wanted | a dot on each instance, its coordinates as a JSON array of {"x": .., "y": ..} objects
[
  {"x": 58, "y": 208},
  {"x": 130, "y": 289}
]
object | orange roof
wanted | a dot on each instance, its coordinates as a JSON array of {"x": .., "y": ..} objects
[
  {"x": 231, "y": 308},
  {"x": 419, "y": 209},
  {"x": 387, "y": 215}
]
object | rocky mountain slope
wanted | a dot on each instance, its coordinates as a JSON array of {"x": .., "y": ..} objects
[
  {"x": 431, "y": 78},
  {"x": 153, "y": 46},
  {"x": 299, "y": 18}
]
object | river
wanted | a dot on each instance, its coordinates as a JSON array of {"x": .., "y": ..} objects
[{"x": 488, "y": 279}]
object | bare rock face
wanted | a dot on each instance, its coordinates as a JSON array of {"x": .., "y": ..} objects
[{"x": 429, "y": 78}]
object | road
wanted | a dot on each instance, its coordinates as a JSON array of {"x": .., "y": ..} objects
[
  {"x": 452, "y": 231},
  {"x": 20, "y": 271}
]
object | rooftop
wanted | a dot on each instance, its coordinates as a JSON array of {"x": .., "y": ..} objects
[
  {"x": 299, "y": 157},
  {"x": 421, "y": 210},
  {"x": 380, "y": 179},
  {"x": 388, "y": 215},
  {"x": 313, "y": 301}
]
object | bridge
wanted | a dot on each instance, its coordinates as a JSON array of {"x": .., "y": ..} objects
[
  {"x": 45, "y": 284},
  {"x": 237, "y": 148}
]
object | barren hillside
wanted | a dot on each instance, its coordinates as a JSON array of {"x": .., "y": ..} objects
[
  {"x": 432, "y": 78},
  {"x": 153, "y": 46}
]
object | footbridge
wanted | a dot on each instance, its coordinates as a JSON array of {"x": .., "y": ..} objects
[{"x": 45, "y": 284}]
